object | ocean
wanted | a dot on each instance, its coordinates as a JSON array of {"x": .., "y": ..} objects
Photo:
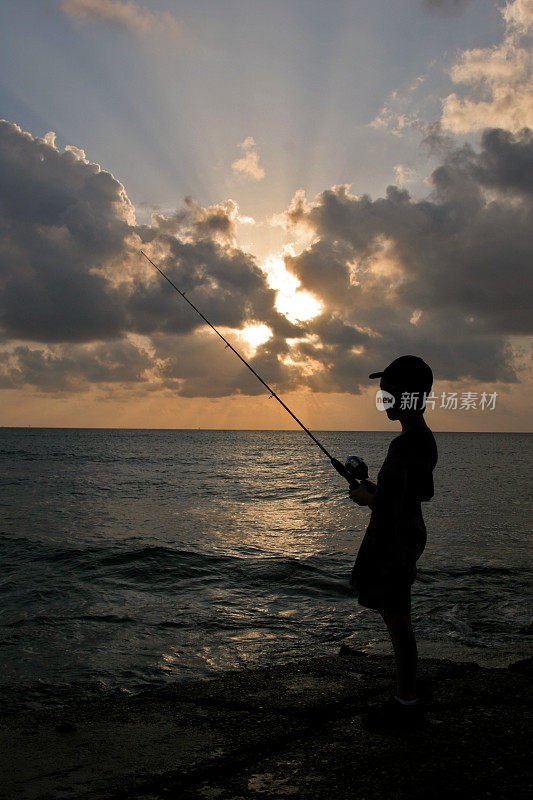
[{"x": 131, "y": 558}]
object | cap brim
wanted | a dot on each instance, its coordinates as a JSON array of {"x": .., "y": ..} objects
[{"x": 376, "y": 375}]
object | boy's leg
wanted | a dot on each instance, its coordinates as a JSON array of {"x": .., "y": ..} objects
[{"x": 405, "y": 652}]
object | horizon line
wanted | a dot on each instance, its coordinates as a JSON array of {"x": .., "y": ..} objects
[{"x": 258, "y": 430}]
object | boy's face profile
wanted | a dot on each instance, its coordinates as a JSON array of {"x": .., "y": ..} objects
[{"x": 392, "y": 413}]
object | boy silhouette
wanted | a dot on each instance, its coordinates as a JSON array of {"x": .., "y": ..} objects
[{"x": 385, "y": 567}]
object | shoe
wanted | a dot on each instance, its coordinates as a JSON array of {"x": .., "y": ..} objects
[{"x": 394, "y": 715}]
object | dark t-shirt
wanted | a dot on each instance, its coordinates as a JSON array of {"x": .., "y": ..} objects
[
  {"x": 385, "y": 566},
  {"x": 404, "y": 481}
]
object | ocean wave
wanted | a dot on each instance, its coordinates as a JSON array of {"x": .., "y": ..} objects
[
  {"x": 475, "y": 570},
  {"x": 161, "y": 566},
  {"x": 49, "y": 619},
  {"x": 150, "y": 562}
]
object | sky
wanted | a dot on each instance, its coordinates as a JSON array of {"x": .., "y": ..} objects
[{"x": 332, "y": 184}]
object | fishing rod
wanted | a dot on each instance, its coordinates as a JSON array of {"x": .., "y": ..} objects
[{"x": 354, "y": 470}]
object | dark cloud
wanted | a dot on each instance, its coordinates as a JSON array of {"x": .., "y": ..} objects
[
  {"x": 71, "y": 276},
  {"x": 506, "y": 161},
  {"x": 69, "y": 266},
  {"x": 224, "y": 282},
  {"x": 198, "y": 365},
  {"x": 447, "y": 277},
  {"x": 196, "y": 249},
  {"x": 72, "y": 366},
  {"x": 60, "y": 218}
]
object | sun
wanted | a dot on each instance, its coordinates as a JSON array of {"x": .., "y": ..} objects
[
  {"x": 295, "y": 303},
  {"x": 255, "y": 335}
]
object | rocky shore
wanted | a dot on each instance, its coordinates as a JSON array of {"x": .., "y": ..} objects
[{"x": 288, "y": 731}]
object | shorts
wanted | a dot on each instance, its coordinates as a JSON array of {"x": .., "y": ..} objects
[{"x": 383, "y": 580}]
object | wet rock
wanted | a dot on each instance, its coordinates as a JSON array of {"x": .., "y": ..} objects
[
  {"x": 65, "y": 727},
  {"x": 293, "y": 730},
  {"x": 525, "y": 665}
]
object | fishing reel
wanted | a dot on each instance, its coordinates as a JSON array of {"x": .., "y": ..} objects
[
  {"x": 355, "y": 471},
  {"x": 356, "y": 468},
  {"x": 358, "y": 472}
]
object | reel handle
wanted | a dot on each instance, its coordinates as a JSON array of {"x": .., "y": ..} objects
[{"x": 342, "y": 470}]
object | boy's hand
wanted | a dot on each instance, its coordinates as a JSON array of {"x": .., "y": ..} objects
[{"x": 361, "y": 495}]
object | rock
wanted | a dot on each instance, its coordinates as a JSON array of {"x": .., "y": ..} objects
[
  {"x": 525, "y": 666},
  {"x": 65, "y": 727},
  {"x": 293, "y": 730}
]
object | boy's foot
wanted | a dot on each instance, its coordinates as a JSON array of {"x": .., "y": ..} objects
[{"x": 394, "y": 715}]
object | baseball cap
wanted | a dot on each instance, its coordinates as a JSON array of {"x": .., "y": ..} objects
[{"x": 411, "y": 373}]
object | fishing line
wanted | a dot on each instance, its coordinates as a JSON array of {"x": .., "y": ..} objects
[{"x": 346, "y": 471}]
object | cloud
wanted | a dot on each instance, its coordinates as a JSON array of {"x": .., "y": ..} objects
[
  {"x": 400, "y": 112},
  {"x": 69, "y": 264},
  {"x": 500, "y": 78},
  {"x": 72, "y": 367},
  {"x": 446, "y": 276},
  {"x": 458, "y": 264},
  {"x": 72, "y": 282},
  {"x": 126, "y": 15},
  {"x": 397, "y": 114},
  {"x": 519, "y": 14},
  {"x": 248, "y": 165},
  {"x": 404, "y": 174},
  {"x": 496, "y": 84},
  {"x": 61, "y": 218}
]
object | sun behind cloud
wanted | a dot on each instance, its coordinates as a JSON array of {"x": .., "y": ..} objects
[
  {"x": 255, "y": 335},
  {"x": 295, "y": 303}
]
